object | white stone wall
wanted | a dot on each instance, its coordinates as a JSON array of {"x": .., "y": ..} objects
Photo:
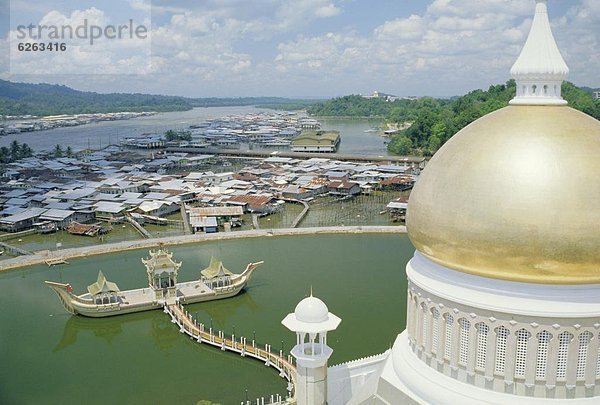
[
  {"x": 347, "y": 380},
  {"x": 539, "y": 356}
]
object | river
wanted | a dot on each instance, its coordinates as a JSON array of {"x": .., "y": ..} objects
[
  {"x": 51, "y": 357},
  {"x": 100, "y": 134}
]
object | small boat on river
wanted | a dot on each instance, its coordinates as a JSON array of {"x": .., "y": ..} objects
[{"x": 104, "y": 298}]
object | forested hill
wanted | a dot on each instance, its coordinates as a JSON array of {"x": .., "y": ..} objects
[
  {"x": 434, "y": 121},
  {"x": 51, "y": 99}
]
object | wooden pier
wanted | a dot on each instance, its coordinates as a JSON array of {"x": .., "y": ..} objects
[
  {"x": 255, "y": 223},
  {"x": 301, "y": 216},
  {"x": 197, "y": 331},
  {"x": 142, "y": 231},
  {"x": 56, "y": 261},
  {"x": 410, "y": 161},
  {"x": 187, "y": 228}
]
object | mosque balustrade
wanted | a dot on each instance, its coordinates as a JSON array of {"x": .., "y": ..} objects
[{"x": 505, "y": 355}]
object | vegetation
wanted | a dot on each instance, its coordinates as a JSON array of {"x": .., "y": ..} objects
[
  {"x": 171, "y": 135},
  {"x": 434, "y": 121},
  {"x": 352, "y": 106},
  {"x": 289, "y": 105},
  {"x": 15, "y": 152},
  {"x": 261, "y": 102},
  {"x": 50, "y": 99}
]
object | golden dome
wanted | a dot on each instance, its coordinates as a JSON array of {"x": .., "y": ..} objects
[{"x": 515, "y": 196}]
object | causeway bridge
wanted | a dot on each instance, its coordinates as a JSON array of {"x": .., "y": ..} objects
[{"x": 197, "y": 331}]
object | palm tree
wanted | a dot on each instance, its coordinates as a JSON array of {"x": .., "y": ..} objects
[
  {"x": 58, "y": 152},
  {"x": 15, "y": 149},
  {"x": 26, "y": 151},
  {"x": 4, "y": 154}
]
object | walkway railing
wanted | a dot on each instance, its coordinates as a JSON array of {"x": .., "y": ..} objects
[
  {"x": 14, "y": 249},
  {"x": 138, "y": 227},
  {"x": 284, "y": 364},
  {"x": 301, "y": 216},
  {"x": 184, "y": 217}
]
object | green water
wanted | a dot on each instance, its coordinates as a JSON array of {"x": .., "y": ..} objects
[
  {"x": 63, "y": 239},
  {"x": 50, "y": 357},
  {"x": 324, "y": 211}
]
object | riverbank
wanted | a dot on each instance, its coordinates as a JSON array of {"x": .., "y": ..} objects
[{"x": 66, "y": 254}]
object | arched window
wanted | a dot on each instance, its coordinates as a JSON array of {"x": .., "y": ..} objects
[
  {"x": 463, "y": 352},
  {"x": 564, "y": 339},
  {"x": 534, "y": 89},
  {"x": 584, "y": 342},
  {"x": 414, "y": 317},
  {"x": 542, "y": 353},
  {"x": 482, "y": 338},
  {"x": 521, "y": 361},
  {"x": 448, "y": 343},
  {"x": 424, "y": 325},
  {"x": 598, "y": 361},
  {"x": 435, "y": 329},
  {"x": 501, "y": 339}
]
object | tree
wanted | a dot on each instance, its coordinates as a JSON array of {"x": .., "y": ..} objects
[
  {"x": 438, "y": 133},
  {"x": 171, "y": 135},
  {"x": 434, "y": 144},
  {"x": 69, "y": 152},
  {"x": 4, "y": 154},
  {"x": 26, "y": 151},
  {"x": 401, "y": 145},
  {"x": 58, "y": 152},
  {"x": 15, "y": 150}
]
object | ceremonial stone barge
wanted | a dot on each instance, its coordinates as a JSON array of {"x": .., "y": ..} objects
[{"x": 104, "y": 298}]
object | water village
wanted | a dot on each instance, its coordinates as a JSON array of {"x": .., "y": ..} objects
[
  {"x": 261, "y": 130},
  {"x": 95, "y": 193},
  {"x": 30, "y": 123}
]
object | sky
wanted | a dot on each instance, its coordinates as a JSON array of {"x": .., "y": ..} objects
[{"x": 297, "y": 48}]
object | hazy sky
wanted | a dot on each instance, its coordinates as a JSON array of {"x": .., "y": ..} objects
[{"x": 303, "y": 48}]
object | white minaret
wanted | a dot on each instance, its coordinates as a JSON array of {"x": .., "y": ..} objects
[
  {"x": 540, "y": 68},
  {"x": 311, "y": 321}
]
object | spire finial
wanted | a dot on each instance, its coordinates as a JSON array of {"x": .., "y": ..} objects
[
  {"x": 311, "y": 291},
  {"x": 540, "y": 68}
]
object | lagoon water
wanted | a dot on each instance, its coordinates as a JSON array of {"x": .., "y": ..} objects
[
  {"x": 100, "y": 134},
  {"x": 51, "y": 357}
]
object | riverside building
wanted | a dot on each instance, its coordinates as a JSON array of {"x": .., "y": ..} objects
[
  {"x": 503, "y": 289},
  {"x": 316, "y": 141}
]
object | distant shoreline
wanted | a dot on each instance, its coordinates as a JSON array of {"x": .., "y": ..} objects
[{"x": 42, "y": 257}]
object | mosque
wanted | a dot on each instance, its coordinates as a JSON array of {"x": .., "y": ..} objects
[{"x": 504, "y": 286}]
